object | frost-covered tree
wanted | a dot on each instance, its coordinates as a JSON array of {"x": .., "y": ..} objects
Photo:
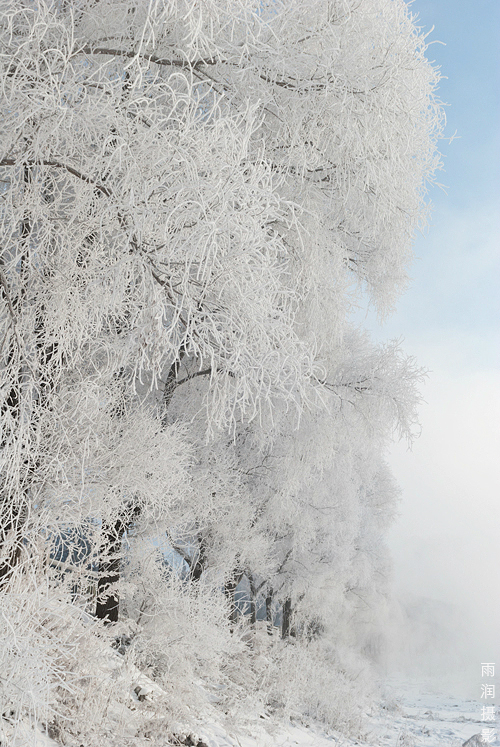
[{"x": 193, "y": 194}]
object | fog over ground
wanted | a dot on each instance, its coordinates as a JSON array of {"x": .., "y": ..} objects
[{"x": 446, "y": 542}]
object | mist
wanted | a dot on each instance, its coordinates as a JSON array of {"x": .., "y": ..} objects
[{"x": 445, "y": 544}]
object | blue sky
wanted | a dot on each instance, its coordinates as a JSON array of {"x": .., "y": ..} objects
[
  {"x": 446, "y": 543},
  {"x": 456, "y": 273}
]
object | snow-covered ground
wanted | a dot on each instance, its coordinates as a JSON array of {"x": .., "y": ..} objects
[{"x": 409, "y": 714}]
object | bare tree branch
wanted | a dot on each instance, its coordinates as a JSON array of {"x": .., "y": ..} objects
[
  {"x": 194, "y": 64},
  {"x": 56, "y": 164}
]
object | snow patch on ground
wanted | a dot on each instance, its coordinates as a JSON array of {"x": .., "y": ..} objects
[{"x": 410, "y": 714}]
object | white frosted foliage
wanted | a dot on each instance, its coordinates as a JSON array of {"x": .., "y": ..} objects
[{"x": 193, "y": 197}]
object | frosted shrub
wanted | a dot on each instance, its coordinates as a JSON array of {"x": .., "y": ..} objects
[
  {"x": 179, "y": 631},
  {"x": 312, "y": 680},
  {"x": 44, "y": 640}
]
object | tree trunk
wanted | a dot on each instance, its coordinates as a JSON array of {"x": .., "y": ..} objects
[
  {"x": 198, "y": 565},
  {"x": 253, "y": 600},
  {"x": 171, "y": 384},
  {"x": 230, "y": 592},
  {"x": 109, "y": 573},
  {"x": 269, "y": 611},
  {"x": 286, "y": 621}
]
